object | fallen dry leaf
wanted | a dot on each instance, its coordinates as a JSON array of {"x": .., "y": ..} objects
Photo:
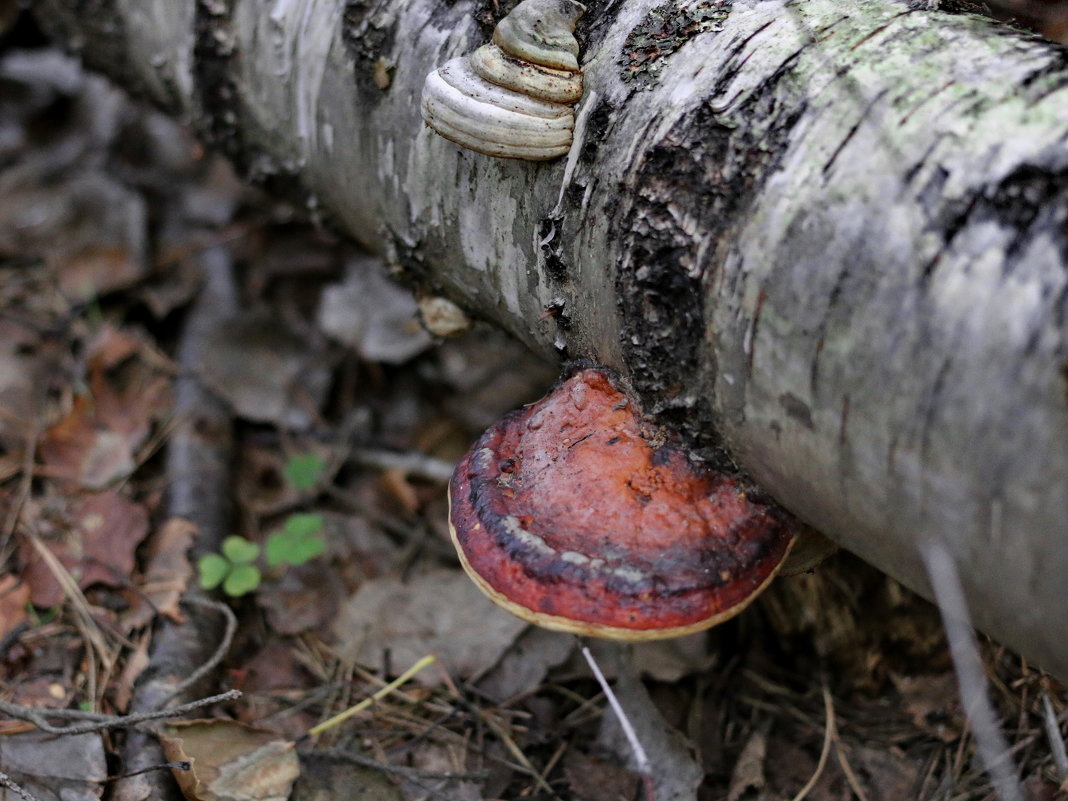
[
  {"x": 887, "y": 775},
  {"x": 95, "y": 443},
  {"x": 675, "y": 775},
  {"x": 276, "y": 680},
  {"x": 526, "y": 663},
  {"x": 230, "y": 761},
  {"x": 305, "y": 597},
  {"x": 20, "y": 377},
  {"x": 51, "y": 768},
  {"x": 79, "y": 450},
  {"x": 167, "y": 575},
  {"x": 373, "y": 315},
  {"x": 265, "y": 371},
  {"x": 439, "y": 612},
  {"x": 933, "y": 703},
  {"x": 134, "y": 666},
  {"x": 331, "y": 780},
  {"x": 89, "y": 228},
  {"x": 594, "y": 779},
  {"x": 94, "y": 536},
  {"x": 748, "y": 773},
  {"x": 671, "y": 660},
  {"x": 14, "y": 595}
]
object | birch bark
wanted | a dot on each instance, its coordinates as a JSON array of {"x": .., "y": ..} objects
[{"x": 827, "y": 239}]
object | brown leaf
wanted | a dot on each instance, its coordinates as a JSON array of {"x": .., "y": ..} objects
[
  {"x": 129, "y": 389},
  {"x": 93, "y": 536},
  {"x": 167, "y": 575},
  {"x": 331, "y": 780},
  {"x": 525, "y": 665},
  {"x": 886, "y": 774},
  {"x": 261, "y": 483},
  {"x": 275, "y": 680},
  {"x": 14, "y": 595},
  {"x": 134, "y": 665},
  {"x": 265, "y": 371},
  {"x": 79, "y": 450},
  {"x": 21, "y": 374},
  {"x": 431, "y": 613},
  {"x": 593, "y": 779},
  {"x": 373, "y": 315},
  {"x": 230, "y": 761},
  {"x": 933, "y": 703},
  {"x": 95, "y": 269},
  {"x": 748, "y": 773},
  {"x": 306, "y": 597}
]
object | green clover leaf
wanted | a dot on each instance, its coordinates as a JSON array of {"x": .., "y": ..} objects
[
  {"x": 303, "y": 471},
  {"x": 242, "y": 579},
  {"x": 213, "y": 569},
  {"x": 239, "y": 550}
]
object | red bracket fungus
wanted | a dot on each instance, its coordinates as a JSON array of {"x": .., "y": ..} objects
[{"x": 576, "y": 514}]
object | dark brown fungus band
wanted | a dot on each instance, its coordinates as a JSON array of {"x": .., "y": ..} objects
[{"x": 576, "y": 514}]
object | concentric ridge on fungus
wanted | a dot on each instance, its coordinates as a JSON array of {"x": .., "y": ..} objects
[
  {"x": 577, "y": 515},
  {"x": 513, "y": 98}
]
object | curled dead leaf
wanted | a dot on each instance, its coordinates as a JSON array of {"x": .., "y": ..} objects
[{"x": 230, "y": 761}]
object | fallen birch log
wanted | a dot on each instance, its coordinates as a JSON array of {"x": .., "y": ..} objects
[{"x": 826, "y": 239}]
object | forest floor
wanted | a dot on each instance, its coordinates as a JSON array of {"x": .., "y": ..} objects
[{"x": 200, "y": 386}]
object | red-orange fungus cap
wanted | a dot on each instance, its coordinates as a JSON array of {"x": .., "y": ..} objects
[{"x": 577, "y": 515}]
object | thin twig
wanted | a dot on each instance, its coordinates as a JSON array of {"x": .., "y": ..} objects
[
  {"x": 343, "y": 755},
  {"x": 179, "y": 765},
  {"x": 83, "y": 617},
  {"x": 397, "y": 682},
  {"x": 219, "y": 654},
  {"x": 640, "y": 757},
  {"x": 1056, "y": 740},
  {"x": 420, "y": 465},
  {"x": 828, "y": 738},
  {"x": 38, "y": 716},
  {"x": 990, "y": 742},
  {"x": 851, "y": 777},
  {"x": 513, "y": 748},
  {"x": 11, "y": 785}
]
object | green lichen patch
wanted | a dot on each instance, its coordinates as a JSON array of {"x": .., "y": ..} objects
[{"x": 663, "y": 31}]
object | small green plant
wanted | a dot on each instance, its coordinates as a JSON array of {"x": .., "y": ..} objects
[
  {"x": 233, "y": 568},
  {"x": 303, "y": 471},
  {"x": 297, "y": 542}
]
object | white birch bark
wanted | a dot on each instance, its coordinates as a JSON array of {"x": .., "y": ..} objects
[{"x": 831, "y": 238}]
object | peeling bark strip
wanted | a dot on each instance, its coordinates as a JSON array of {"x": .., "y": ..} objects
[{"x": 832, "y": 237}]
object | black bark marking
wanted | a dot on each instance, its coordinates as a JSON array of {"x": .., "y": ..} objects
[
  {"x": 99, "y": 37},
  {"x": 664, "y": 30},
  {"x": 930, "y": 96},
  {"x": 853, "y": 130},
  {"x": 797, "y": 409},
  {"x": 843, "y": 424},
  {"x": 216, "y": 89},
  {"x": 215, "y": 60},
  {"x": 833, "y": 301},
  {"x": 754, "y": 328},
  {"x": 370, "y": 47},
  {"x": 551, "y": 238},
  {"x": 932, "y": 406}
]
